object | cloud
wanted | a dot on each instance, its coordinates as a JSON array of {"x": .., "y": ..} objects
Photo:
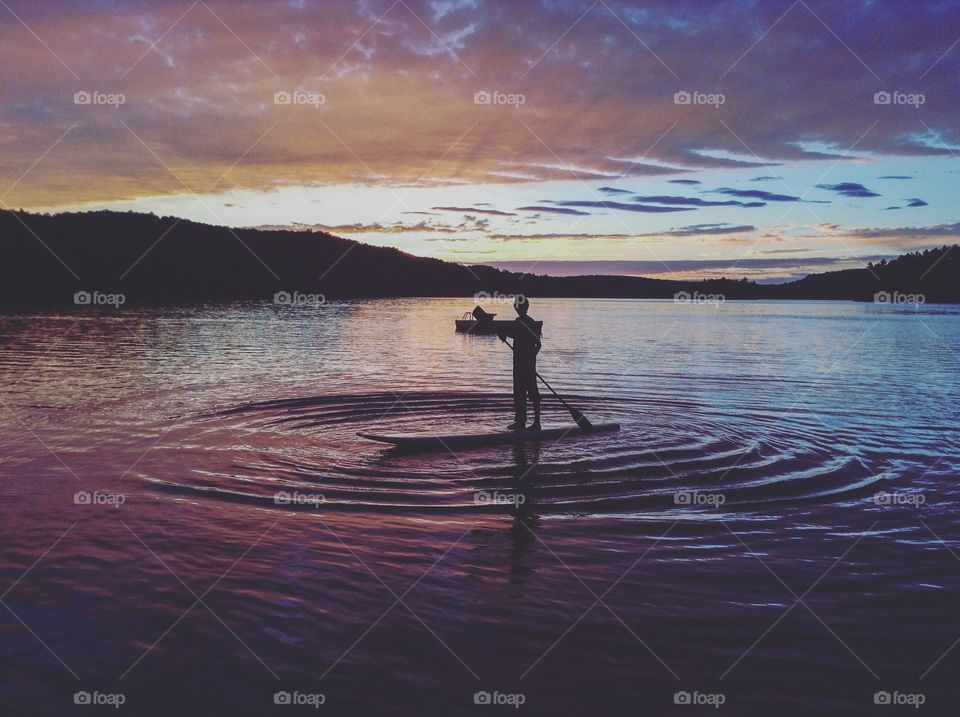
[
  {"x": 355, "y": 228},
  {"x": 704, "y": 229},
  {"x": 693, "y": 230},
  {"x": 946, "y": 230},
  {"x": 765, "y": 178},
  {"x": 619, "y": 205},
  {"x": 758, "y": 194},
  {"x": 795, "y": 250},
  {"x": 894, "y": 176},
  {"x": 474, "y": 223},
  {"x": 911, "y": 203},
  {"x": 695, "y": 202},
  {"x": 685, "y": 181},
  {"x": 614, "y": 190},
  {"x": 554, "y": 210},
  {"x": 474, "y": 210},
  {"x": 470, "y": 223},
  {"x": 849, "y": 189},
  {"x": 560, "y": 235}
]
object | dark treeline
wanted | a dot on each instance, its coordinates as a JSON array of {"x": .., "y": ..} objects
[{"x": 48, "y": 258}]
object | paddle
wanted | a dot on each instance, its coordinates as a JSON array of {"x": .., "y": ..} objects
[{"x": 578, "y": 417}]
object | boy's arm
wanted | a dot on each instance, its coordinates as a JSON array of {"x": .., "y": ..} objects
[{"x": 510, "y": 331}]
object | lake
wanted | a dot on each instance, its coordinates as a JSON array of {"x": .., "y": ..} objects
[{"x": 191, "y": 525}]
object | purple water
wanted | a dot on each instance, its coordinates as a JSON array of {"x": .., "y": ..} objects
[{"x": 190, "y": 523}]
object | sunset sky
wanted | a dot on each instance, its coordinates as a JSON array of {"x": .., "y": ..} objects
[{"x": 680, "y": 138}]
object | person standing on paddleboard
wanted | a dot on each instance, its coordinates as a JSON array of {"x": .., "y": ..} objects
[{"x": 526, "y": 346}]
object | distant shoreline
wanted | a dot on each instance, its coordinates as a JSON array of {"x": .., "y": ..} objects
[
  {"x": 687, "y": 269},
  {"x": 53, "y": 259}
]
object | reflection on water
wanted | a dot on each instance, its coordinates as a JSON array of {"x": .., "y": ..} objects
[{"x": 766, "y": 449}]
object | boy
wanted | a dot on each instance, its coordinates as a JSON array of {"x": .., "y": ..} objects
[{"x": 526, "y": 346}]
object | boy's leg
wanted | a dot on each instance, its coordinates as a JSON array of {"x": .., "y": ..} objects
[
  {"x": 519, "y": 400},
  {"x": 534, "y": 396}
]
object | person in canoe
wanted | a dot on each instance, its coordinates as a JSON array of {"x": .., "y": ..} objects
[{"x": 526, "y": 346}]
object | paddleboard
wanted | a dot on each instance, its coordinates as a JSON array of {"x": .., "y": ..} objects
[{"x": 462, "y": 440}]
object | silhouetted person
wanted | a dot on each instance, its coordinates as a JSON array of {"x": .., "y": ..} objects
[{"x": 526, "y": 346}]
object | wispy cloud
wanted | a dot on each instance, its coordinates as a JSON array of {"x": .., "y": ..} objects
[
  {"x": 554, "y": 210},
  {"x": 694, "y": 230},
  {"x": 475, "y": 210},
  {"x": 758, "y": 194},
  {"x": 849, "y": 189},
  {"x": 644, "y": 208}
]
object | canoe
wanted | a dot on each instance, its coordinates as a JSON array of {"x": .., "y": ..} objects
[
  {"x": 480, "y": 323},
  {"x": 486, "y": 328},
  {"x": 469, "y": 440}
]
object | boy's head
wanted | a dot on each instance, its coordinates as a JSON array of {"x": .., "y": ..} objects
[{"x": 521, "y": 304}]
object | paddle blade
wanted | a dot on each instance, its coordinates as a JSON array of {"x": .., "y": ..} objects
[{"x": 580, "y": 419}]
